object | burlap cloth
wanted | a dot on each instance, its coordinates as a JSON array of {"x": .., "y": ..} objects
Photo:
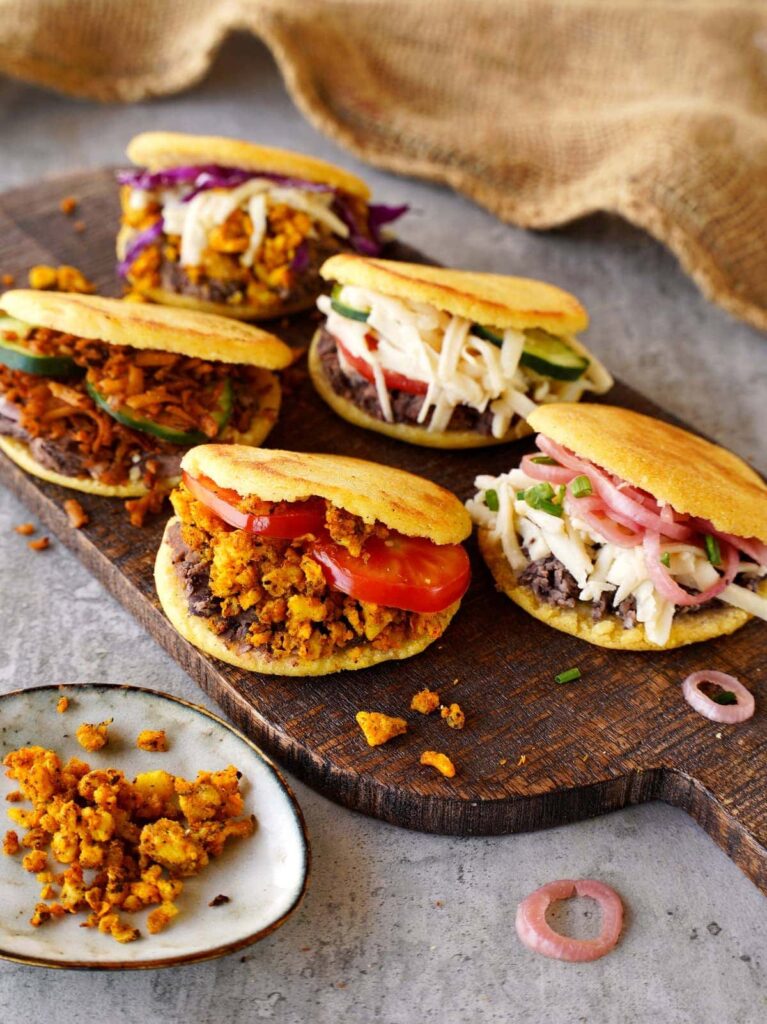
[{"x": 542, "y": 111}]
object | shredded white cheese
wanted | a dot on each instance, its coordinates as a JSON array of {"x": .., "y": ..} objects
[
  {"x": 527, "y": 534},
  {"x": 428, "y": 345},
  {"x": 209, "y": 209}
]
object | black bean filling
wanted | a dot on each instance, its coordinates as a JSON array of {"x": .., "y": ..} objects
[
  {"x": 404, "y": 406},
  {"x": 551, "y": 582}
]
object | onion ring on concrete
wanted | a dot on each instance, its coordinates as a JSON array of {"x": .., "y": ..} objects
[{"x": 536, "y": 934}]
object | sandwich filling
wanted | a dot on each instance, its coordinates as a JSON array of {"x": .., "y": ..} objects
[
  {"x": 241, "y": 238},
  {"x": 574, "y": 533},
  {"x": 404, "y": 361},
  {"x": 307, "y": 579},
  {"x": 115, "y": 414}
]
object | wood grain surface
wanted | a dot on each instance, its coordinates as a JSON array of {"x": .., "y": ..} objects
[{"x": 533, "y": 753}]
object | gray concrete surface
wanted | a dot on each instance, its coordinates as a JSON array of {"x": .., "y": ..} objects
[{"x": 400, "y": 927}]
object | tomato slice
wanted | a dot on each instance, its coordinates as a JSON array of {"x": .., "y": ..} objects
[
  {"x": 411, "y": 573},
  {"x": 288, "y": 520},
  {"x": 394, "y": 381}
]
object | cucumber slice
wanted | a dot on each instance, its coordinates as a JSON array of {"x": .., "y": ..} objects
[
  {"x": 344, "y": 310},
  {"x": 551, "y": 357},
  {"x": 543, "y": 352},
  {"x": 128, "y": 418},
  {"x": 16, "y": 356}
]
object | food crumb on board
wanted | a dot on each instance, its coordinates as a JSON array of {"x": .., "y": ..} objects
[
  {"x": 153, "y": 740},
  {"x": 62, "y": 279},
  {"x": 76, "y": 514},
  {"x": 425, "y": 701},
  {"x": 443, "y": 764},
  {"x": 454, "y": 716},
  {"x": 148, "y": 835},
  {"x": 522, "y": 760},
  {"x": 11, "y": 843},
  {"x": 41, "y": 544},
  {"x": 68, "y": 205},
  {"x": 62, "y": 704},
  {"x": 25, "y": 529},
  {"x": 503, "y": 761},
  {"x": 93, "y": 737},
  {"x": 379, "y": 728},
  {"x": 79, "y": 226},
  {"x": 220, "y": 900}
]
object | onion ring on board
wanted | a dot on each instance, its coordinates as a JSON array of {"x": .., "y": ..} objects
[
  {"x": 727, "y": 714},
  {"x": 536, "y": 934}
]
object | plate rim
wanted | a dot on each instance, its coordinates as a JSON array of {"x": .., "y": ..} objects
[{"x": 216, "y": 951}]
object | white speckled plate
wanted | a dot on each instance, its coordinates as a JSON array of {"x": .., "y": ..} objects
[{"x": 265, "y": 876}]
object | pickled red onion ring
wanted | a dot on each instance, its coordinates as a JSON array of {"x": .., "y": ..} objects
[
  {"x": 727, "y": 714},
  {"x": 668, "y": 588},
  {"x": 618, "y": 499},
  {"x": 540, "y": 471},
  {"x": 592, "y": 511},
  {"x": 536, "y": 933}
]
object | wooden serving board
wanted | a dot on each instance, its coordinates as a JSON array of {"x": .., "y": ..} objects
[{"x": 622, "y": 734}]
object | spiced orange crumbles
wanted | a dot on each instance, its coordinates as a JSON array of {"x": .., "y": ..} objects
[{"x": 124, "y": 845}]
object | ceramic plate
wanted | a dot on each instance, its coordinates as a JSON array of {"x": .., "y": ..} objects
[{"x": 265, "y": 876}]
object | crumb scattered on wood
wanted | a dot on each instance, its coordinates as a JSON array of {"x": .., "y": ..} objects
[
  {"x": 60, "y": 279},
  {"x": 522, "y": 760},
  {"x": 93, "y": 737},
  {"x": 220, "y": 900},
  {"x": 503, "y": 761},
  {"x": 425, "y": 701},
  {"x": 40, "y": 544},
  {"x": 62, "y": 704},
  {"x": 79, "y": 226},
  {"x": 68, "y": 205},
  {"x": 76, "y": 514},
  {"x": 454, "y": 716},
  {"x": 153, "y": 740},
  {"x": 8, "y": 280},
  {"x": 443, "y": 764},
  {"x": 379, "y": 728}
]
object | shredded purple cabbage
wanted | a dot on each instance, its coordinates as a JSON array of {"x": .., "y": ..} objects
[
  {"x": 365, "y": 238},
  {"x": 137, "y": 244},
  {"x": 301, "y": 258}
]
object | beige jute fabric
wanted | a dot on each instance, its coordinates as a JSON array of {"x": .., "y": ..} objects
[{"x": 540, "y": 110}]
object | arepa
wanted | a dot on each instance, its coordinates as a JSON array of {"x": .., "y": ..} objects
[
  {"x": 626, "y": 531},
  {"x": 305, "y": 564},
  {"x": 231, "y": 227},
  {"x": 446, "y": 358},
  {"x": 103, "y": 395}
]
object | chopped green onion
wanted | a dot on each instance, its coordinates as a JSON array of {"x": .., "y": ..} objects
[
  {"x": 581, "y": 487},
  {"x": 520, "y": 495},
  {"x": 725, "y": 697},
  {"x": 491, "y": 500},
  {"x": 569, "y": 676},
  {"x": 665, "y": 559},
  {"x": 544, "y": 460},
  {"x": 561, "y": 492},
  {"x": 712, "y": 550},
  {"x": 541, "y": 496}
]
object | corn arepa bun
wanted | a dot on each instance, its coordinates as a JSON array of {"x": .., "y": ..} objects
[
  {"x": 263, "y": 421},
  {"x": 194, "y": 629},
  {"x": 147, "y": 326},
  {"x": 159, "y": 151},
  {"x": 267, "y": 310},
  {"x": 410, "y": 432},
  {"x": 692, "y": 475},
  {"x": 493, "y": 300},
  {"x": 402, "y": 501},
  {"x": 707, "y": 624}
]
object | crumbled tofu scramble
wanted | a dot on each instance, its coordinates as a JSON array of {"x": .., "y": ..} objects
[
  {"x": 269, "y": 594},
  {"x": 126, "y": 845},
  {"x": 379, "y": 728},
  {"x": 443, "y": 764},
  {"x": 425, "y": 701}
]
